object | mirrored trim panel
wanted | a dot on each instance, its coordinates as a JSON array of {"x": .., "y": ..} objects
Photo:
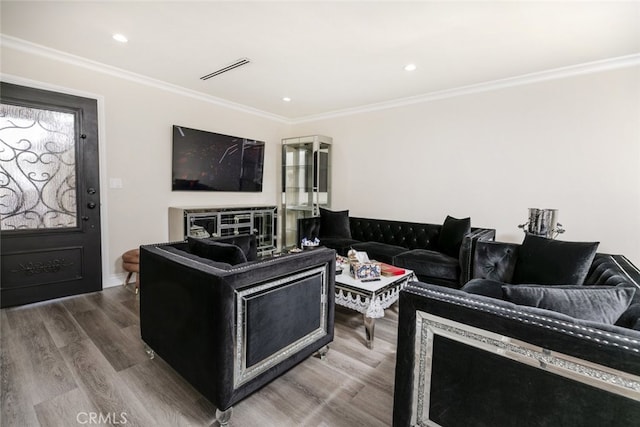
[
  {"x": 428, "y": 326},
  {"x": 241, "y": 373}
]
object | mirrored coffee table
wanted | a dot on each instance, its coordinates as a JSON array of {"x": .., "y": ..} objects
[{"x": 370, "y": 298}]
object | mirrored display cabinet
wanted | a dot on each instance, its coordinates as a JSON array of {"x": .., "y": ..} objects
[{"x": 306, "y": 182}]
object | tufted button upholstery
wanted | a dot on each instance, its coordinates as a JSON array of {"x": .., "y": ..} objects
[
  {"x": 397, "y": 233},
  {"x": 495, "y": 260},
  {"x": 406, "y": 234}
]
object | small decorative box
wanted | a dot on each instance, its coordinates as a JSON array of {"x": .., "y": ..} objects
[{"x": 364, "y": 270}]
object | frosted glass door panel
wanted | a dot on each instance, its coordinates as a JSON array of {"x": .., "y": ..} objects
[{"x": 37, "y": 169}]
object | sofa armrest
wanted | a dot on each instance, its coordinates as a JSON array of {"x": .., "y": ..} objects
[
  {"x": 631, "y": 271},
  {"x": 614, "y": 270},
  {"x": 467, "y": 249}
]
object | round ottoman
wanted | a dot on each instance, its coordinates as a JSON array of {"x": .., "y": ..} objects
[{"x": 131, "y": 264}]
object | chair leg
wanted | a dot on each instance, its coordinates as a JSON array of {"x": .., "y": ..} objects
[
  {"x": 137, "y": 283},
  {"x": 322, "y": 353},
  {"x": 126, "y": 281},
  {"x": 150, "y": 352},
  {"x": 223, "y": 417}
]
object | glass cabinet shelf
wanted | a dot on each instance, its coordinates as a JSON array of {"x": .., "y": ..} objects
[{"x": 306, "y": 182}]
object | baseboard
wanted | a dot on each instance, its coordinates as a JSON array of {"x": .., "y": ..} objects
[{"x": 113, "y": 280}]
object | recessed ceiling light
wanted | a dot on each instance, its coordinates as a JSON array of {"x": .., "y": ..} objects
[
  {"x": 410, "y": 67},
  {"x": 120, "y": 38},
  {"x": 286, "y": 99}
]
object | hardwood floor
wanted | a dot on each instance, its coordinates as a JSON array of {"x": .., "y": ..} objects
[{"x": 80, "y": 361}]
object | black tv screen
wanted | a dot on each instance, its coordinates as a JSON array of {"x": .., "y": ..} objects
[{"x": 207, "y": 161}]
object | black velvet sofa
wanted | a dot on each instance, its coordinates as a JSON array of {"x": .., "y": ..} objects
[
  {"x": 474, "y": 357},
  {"x": 229, "y": 327},
  {"x": 435, "y": 254},
  {"x": 470, "y": 360}
]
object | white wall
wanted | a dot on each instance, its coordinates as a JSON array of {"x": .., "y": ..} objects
[
  {"x": 571, "y": 144},
  {"x": 136, "y": 137}
]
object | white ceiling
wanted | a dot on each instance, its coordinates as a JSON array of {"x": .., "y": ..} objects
[{"x": 330, "y": 56}]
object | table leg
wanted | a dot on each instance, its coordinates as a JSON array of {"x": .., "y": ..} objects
[{"x": 369, "y": 327}]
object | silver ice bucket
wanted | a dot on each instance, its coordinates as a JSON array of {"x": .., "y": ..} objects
[{"x": 543, "y": 222}]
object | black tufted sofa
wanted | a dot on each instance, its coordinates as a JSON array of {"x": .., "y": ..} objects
[{"x": 404, "y": 244}]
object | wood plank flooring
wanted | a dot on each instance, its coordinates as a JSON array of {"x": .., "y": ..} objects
[{"x": 64, "y": 361}]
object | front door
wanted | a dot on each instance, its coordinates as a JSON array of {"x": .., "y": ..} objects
[{"x": 49, "y": 195}]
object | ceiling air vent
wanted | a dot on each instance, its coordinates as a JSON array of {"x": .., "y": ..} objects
[{"x": 239, "y": 63}]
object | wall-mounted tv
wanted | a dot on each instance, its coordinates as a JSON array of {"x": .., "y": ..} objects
[{"x": 207, "y": 161}]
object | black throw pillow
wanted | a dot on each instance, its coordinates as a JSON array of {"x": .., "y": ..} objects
[
  {"x": 451, "y": 234},
  {"x": 334, "y": 224},
  {"x": 247, "y": 243},
  {"x": 216, "y": 251},
  {"x": 603, "y": 304},
  {"x": 551, "y": 262}
]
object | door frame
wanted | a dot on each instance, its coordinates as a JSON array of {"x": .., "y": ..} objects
[{"x": 108, "y": 280}]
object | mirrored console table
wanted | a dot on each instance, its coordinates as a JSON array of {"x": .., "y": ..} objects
[{"x": 216, "y": 221}]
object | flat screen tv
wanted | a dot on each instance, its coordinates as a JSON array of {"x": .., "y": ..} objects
[{"x": 207, "y": 161}]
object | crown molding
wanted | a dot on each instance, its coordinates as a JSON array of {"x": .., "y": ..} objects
[
  {"x": 526, "y": 79},
  {"x": 39, "y": 50}
]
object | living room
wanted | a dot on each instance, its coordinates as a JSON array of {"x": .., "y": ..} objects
[
  {"x": 564, "y": 137},
  {"x": 553, "y": 142}
]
